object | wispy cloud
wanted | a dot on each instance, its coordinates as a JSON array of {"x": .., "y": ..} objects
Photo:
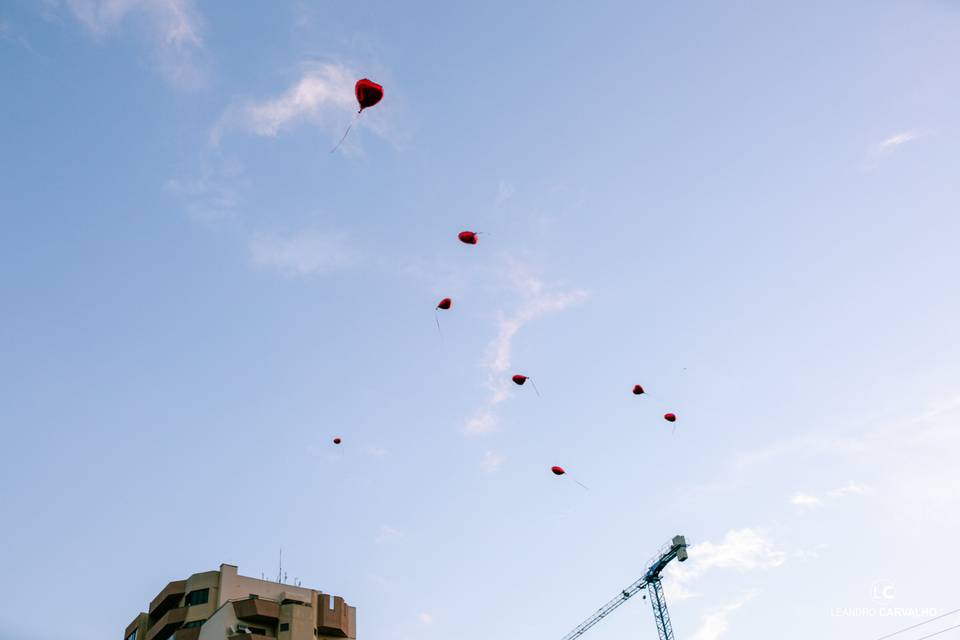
[
  {"x": 809, "y": 554},
  {"x": 905, "y": 452},
  {"x": 480, "y": 424},
  {"x": 811, "y": 443},
  {"x": 918, "y": 476},
  {"x": 878, "y": 152},
  {"x": 849, "y": 489},
  {"x": 212, "y": 196},
  {"x": 897, "y": 140},
  {"x": 9, "y": 33},
  {"x": 323, "y": 96},
  {"x": 716, "y": 621},
  {"x": 173, "y": 28},
  {"x": 303, "y": 253},
  {"x": 505, "y": 191},
  {"x": 387, "y": 534},
  {"x": 808, "y": 501},
  {"x": 492, "y": 461},
  {"x": 805, "y": 500},
  {"x": 539, "y": 300}
]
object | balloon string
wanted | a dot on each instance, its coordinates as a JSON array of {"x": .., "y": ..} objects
[
  {"x": 535, "y": 388},
  {"x": 436, "y": 317},
  {"x": 350, "y": 126},
  {"x": 581, "y": 484}
]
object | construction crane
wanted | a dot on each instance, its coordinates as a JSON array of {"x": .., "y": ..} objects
[{"x": 676, "y": 548}]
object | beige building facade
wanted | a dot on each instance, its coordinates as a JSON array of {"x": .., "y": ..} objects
[{"x": 223, "y": 605}]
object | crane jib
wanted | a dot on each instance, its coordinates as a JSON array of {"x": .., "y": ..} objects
[{"x": 650, "y": 581}]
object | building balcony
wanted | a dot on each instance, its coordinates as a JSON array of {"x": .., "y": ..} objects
[
  {"x": 192, "y": 633},
  {"x": 335, "y": 618},
  {"x": 257, "y": 610},
  {"x": 168, "y": 598},
  {"x": 167, "y": 624},
  {"x": 136, "y": 625}
]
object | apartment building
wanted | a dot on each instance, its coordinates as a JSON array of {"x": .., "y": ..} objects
[{"x": 222, "y": 605}]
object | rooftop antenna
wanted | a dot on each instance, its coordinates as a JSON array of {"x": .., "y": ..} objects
[{"x": 280, "y": 570}]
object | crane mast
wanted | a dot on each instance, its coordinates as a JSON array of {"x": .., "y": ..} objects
[
  {"x": 660, "y": 614},
  {"x": 677, "y": 548}
]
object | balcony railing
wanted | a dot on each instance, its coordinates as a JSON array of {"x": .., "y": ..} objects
[
  {"x": 193, "y": 633},
  {"x": 257, "y": 610},
  {"x": 168, "y": 598},
  {"x": 167, "y": 624}
]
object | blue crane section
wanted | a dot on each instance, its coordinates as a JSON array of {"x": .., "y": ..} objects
[{"x": 676, "y": 548}]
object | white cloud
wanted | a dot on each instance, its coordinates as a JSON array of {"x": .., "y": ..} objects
[
  {"x": 716, "y": 621},
  {"x": 387, "y": 533},
  {"x": 880, "y": 151},
  {"x": 850, "y": 489},
  {"x": 301, "y": 254},
  {"x": 482, "y": 423},
  {"x": 323, "y": 96},
  {"x": 175, "y": 20},
  {"x": 809, "y": 554},
  {"x": 539, "y": 300},
  {"x": 173, "y": 28},
  {"x": 492, "y": 461},
  {"x": 741, "y": 550},
  {"x": 805, "y": 500},
  {"x": 809, "y": 501},
  {"x": 902, "y": 458},
  {"x": 426, "y": 618},
  {"x": 766, "y": 458},
  {"x": 895, "y": 141}
]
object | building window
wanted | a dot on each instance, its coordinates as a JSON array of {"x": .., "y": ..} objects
[
  {"x": 257, "y": 630},
  {"x": 193, "y": 623},
  {"x": 133, "y": 635},
  {"x": 284, "y": 626},
  {"x": 200, "y": 596}
]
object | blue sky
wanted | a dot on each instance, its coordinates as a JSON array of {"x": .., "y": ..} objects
[{"x": 749, "y": 208}]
